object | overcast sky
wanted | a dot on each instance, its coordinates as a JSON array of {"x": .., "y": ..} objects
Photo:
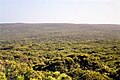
[{"x": 60, "y": 11}]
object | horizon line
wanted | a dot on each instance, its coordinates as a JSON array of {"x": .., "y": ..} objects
[{"x": 55, "y": 23}]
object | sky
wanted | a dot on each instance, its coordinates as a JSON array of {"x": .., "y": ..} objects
[{"x": 60, "y": 11}]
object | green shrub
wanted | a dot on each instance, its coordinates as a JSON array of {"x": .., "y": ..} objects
[
  {"x": 76, "y": 73},
  {"x": 92, "y": 75},
  {"x": 21, "y": 77},
  {"x": 2, "y": 76},
  {"x": 64, "y": 76},
  {"x": 56, "y": 74},
  {"x": 51, "y": 78},
  {"x": 33, "y": 75}
]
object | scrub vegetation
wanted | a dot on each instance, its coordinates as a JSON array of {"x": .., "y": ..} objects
[{"x": 59, "y": 51}]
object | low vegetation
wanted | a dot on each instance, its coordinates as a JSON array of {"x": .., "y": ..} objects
[{"x": 59, "y": 52}]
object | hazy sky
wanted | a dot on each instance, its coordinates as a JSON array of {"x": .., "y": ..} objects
[{"x": 60, "y": 11}]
